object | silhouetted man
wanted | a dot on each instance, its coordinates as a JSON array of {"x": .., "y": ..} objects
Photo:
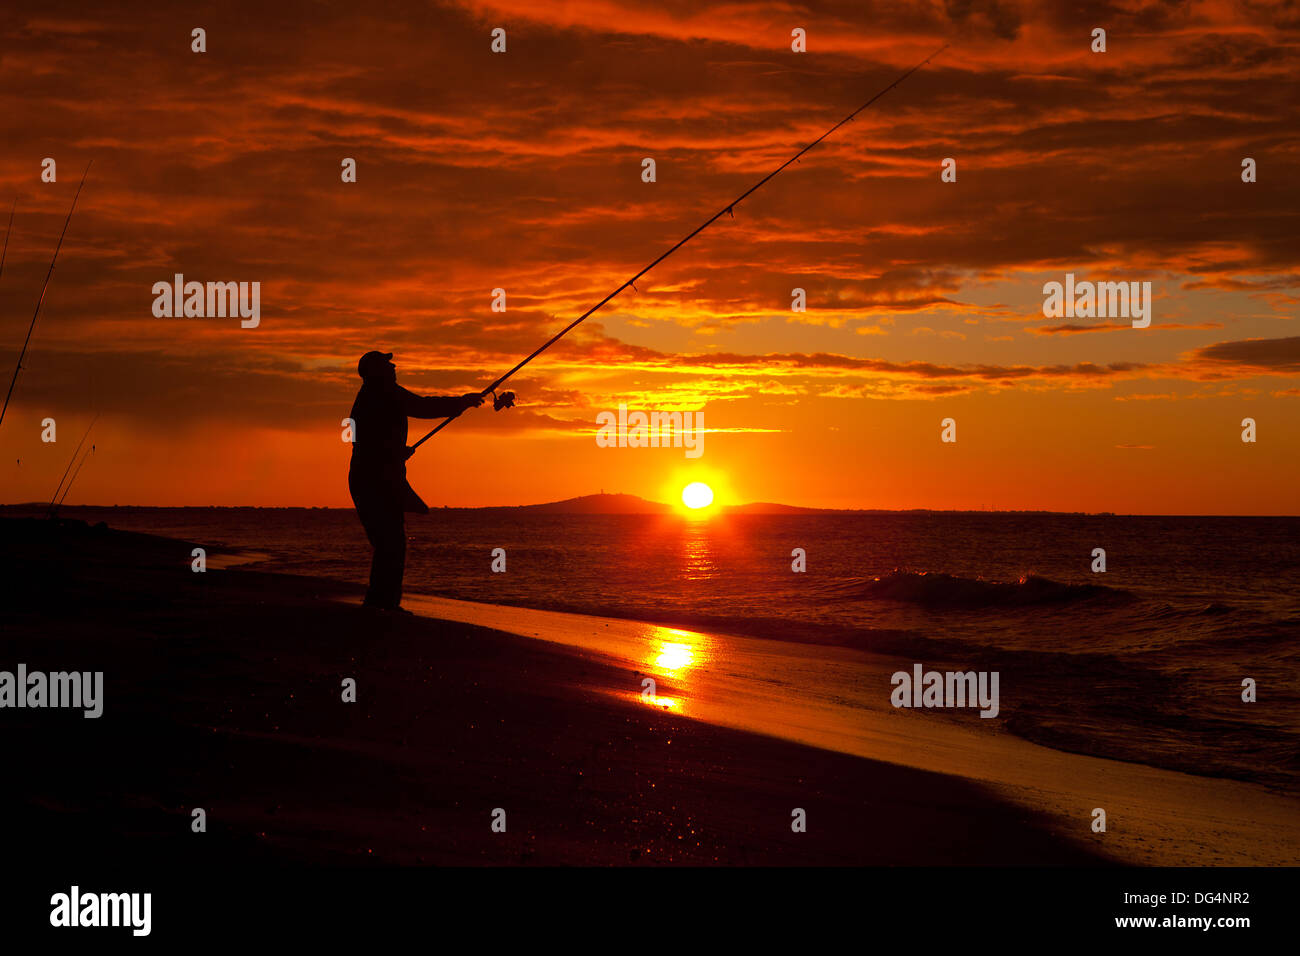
[{"x": 377, "y": 477}]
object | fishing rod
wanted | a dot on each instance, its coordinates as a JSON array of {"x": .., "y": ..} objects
[
  {"x": 89, "y": 452},
  {"x": 23, "y": 353},
  {"x": 8, "y": 229},
  {"x": 74, "y": 458},
  {"x": 506, "y": 399}
]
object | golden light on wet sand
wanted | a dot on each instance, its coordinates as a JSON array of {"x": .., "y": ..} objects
[{"x": 673, "y": 657}]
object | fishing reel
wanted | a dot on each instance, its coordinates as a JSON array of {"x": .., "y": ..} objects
[{"x": 504, "y": 400}]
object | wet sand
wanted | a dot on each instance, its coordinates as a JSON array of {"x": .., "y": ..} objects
[
  {"x": 222, "y": 691},
  {"x": 814, "y": 695}
]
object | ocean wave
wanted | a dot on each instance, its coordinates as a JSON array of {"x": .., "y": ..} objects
[{"x": 934, "y": 589}]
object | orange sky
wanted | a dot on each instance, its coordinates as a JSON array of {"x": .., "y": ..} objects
[{"x": 522, "y": 170}]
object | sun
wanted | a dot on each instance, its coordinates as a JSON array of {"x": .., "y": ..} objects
[{"x": 697, "y": 495}]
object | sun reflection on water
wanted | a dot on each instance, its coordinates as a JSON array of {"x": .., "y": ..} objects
[{"x": 698, "y": 557}]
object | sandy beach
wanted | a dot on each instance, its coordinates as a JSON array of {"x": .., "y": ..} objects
[
  {"x": 222, "y": 691},
  {"x": 797, "y": 692}
]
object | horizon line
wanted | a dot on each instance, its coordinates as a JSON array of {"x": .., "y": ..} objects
[{"x": 670, "y": 509}]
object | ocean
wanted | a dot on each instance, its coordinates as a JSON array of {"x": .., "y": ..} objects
[{"x": 1142, "y": 663}]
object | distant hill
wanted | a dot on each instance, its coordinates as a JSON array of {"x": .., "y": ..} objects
[
  {"x": 772, "y": 508},
  {"x": 601, "y": 504}
]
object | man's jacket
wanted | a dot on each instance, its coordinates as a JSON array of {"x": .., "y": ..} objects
[{"x": 379, "y": 439}]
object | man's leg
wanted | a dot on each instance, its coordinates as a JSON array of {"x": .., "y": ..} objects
[
  {"x": 371, "y": 510},
  {"x": 389, "y": 564}
]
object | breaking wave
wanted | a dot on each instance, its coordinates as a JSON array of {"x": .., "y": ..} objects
[{"x": 934, "y": 589}]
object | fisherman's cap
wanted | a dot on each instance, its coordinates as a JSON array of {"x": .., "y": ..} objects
[{"x": 372, "y": 362}]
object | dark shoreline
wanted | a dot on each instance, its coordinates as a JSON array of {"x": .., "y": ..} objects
[{"x": 222, "y": 691}]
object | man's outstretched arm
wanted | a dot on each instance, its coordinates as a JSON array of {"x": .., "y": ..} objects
[{"x": 437, "y": 406}]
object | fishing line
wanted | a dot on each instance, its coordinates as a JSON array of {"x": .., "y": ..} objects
[
  {"x": 8, "y": 229},
  {"x": 74, "y": 458},
  {"x": 18, "y": 367},
  {"x": 89, "y": 452},
  {"x": 508, "y": 398}
]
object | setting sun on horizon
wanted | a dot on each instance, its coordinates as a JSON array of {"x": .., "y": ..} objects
[{"x": 697, "y": 496}]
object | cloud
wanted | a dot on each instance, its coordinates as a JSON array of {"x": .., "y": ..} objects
[
  {"x": 1077, "y": 329},
  {"x": 522, "y": 171},
  {"x": 1261, "y": 356}
]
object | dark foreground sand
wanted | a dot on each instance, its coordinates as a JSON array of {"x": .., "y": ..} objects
[{"x": 222, "y": 691}]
